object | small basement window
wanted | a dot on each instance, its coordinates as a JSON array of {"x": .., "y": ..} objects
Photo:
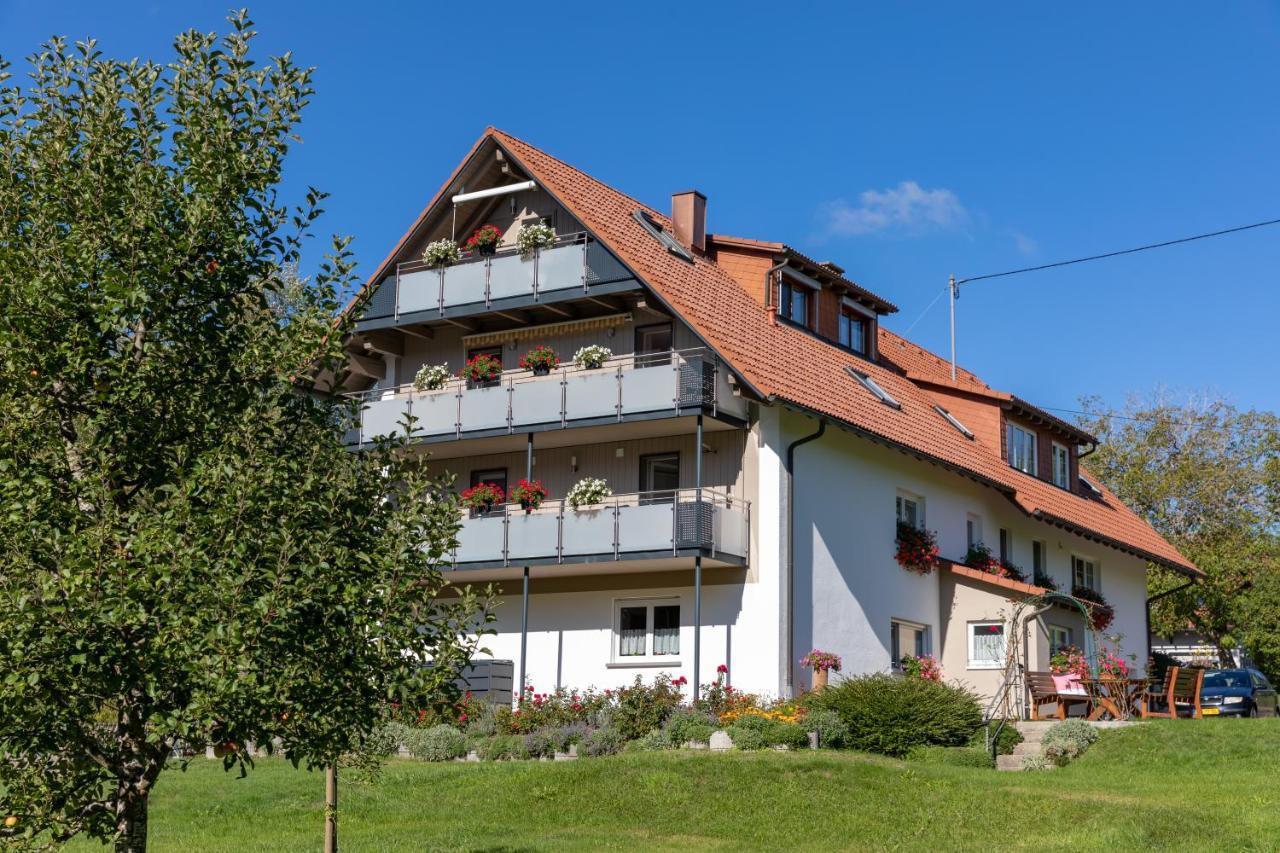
[
  {"x": 662, "y": 236},
  {"x": 951, "y": 419},
  {"x": 871, "y": 385}
]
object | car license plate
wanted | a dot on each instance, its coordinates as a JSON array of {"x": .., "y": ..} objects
[{"x": 1210, "y": 712}]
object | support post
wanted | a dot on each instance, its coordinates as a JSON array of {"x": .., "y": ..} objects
[
  {"x": 331, "y": 809},
  {"x": 524, "y": 600},
  {"x": 954, "y": 295},
  {"x": 697, "y": 566}
]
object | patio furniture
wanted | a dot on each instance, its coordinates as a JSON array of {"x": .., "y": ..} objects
[
  {"x": 1182, "y": 687},
  {"x": 1043, "y": 691},
  {"x": 1122, "y": 698}
]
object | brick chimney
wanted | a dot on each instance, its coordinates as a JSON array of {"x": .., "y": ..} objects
[{"x": 689, "y": 219}]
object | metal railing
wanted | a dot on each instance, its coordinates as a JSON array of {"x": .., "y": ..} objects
[
  {"x": 678, "y": 382},
  {"x": 625, "y": 526},
  {"x": 485, "y": 279}
]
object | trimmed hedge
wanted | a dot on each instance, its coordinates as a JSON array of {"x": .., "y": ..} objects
[{"x": 889, "y": 715}]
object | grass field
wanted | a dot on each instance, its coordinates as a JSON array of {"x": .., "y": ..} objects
[{"x": 1179, "y": 785}]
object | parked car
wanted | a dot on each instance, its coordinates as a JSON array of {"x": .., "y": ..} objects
[{"x": 1237, "y": 693}]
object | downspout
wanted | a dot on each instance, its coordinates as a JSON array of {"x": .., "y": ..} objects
[
  {"x": 1153, "y": 599},
  {"x": 789, "y": 580}
]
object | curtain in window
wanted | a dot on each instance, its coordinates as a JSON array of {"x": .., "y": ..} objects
[
  {"x": 988, "y": 643},
  {"x": 632, "y": 630},
  {"x": 666, "y": 630}
]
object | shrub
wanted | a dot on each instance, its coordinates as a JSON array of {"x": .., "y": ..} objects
[
  {"x": 1008, "y": 739},
  {"x": 542, "y": 710},
  {"x": 541, "y": 744},
  {"x": 382, "y": 741},
  {"x": 500, "y": 747},
  {"x": 890, "y": 715},
  {"x": 654, "y": 741},
  {"x": 955, "y": 756},
  {"x": 1036, "y": 762},
  {"x": 746, "y": 737},
  {"x": 482, "y": 721},
  {"x": 438, "y": 743},
  {"x": 754, "y": 732},
  {"x": 641, "y": 708},
  {"x": 1068, "y": 740},
  {"x": 604, "y": 741},
  {"x": 687, "y": 724},
  {"x": 832, "y": 732}
]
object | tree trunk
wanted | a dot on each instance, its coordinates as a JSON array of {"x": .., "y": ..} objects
[{"x": 131, "y": 824}]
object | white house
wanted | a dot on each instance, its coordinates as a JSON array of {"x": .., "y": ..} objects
[{"x": 761, "y": 434}]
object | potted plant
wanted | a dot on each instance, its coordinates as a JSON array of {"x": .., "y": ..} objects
[
  {"x": 980, "y": 557},
  {"x": 431, "y": 377},
  {"x": 541, "y": 360},
  {"x": 482, "y": 497},
  {"x": 440, "y": 254},
  {"x": 917, "y": 549},
  {"x": 587, "y": 492},
  {"x": 481, "y": 371},
  {"x": 485, "y": 240},
  {"x": 589, "y": 358},
  {"x": 921, "y": 666},
  {"x": 1101, "y": 614},
  {"x": 529, "y": 494},
  {"x": 534, "y": 237},
  {"x": 1012, "y": 571},
  {"x": 821, "y": 663},
  {"x": 1112, "y": 666}
]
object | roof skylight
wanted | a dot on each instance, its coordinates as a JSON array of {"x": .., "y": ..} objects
[
  {"x": 951, "y": 419},
  {"x": 662, "y": 236},
  {"x": 871, "y": 385}
]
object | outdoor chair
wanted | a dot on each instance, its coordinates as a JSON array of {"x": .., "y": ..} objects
[
  {"x": 1181, "y": 687},
  {"x": 1044, "y": 691}
]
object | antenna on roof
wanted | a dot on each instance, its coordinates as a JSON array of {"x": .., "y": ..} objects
[{"x": 955, "y": 294}]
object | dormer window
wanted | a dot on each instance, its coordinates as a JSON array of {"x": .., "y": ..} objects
[
  {"x": 795, "y": 302},
  {"x": 1022, "y": 449},
  {"x": 853, "y": 329},
  {"x": 1061, "y": 466}
]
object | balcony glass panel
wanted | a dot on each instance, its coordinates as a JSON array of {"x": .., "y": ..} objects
[
  {"x": 480, "y": 539},
  {"x": 383, "y": 416},
  {"x": 592, "y": 393},
  {"x": 436, "y": 411},
  {"x": 419, "y": 290},
  {"x": 464, "y": 283},
  {"x": 532, "y": 536},
  {"x": 645, "y": 528},
  {"x": 648, "y": 389},
  {"x": 560, "y": 267},
  {"x": 484, "y": 408},
  {"x": 588, "y": 530},
  {"x": 536, "y": 401},
  {"x": 510, "y": 275},
  {"x": 730, "y": 529}
]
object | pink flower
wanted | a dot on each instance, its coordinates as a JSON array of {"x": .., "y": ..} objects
[{"x": 722, "y": 669}]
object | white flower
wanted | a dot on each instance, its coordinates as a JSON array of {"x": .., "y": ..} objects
[
  {"x": 431, "y": 377},
  {"x": 592, "y": 356},
  {"x": 536, "y": 236},
  {"x": 588, "y": 491},
  {"x": 440, "y": 253}
]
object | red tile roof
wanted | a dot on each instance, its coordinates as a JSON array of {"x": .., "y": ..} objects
[{"x": 786, "y": 365}]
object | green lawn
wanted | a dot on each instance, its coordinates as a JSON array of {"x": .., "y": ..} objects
[{"x": 1203, "y": 785}]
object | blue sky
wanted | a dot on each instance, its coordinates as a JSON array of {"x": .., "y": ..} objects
[{"x": 903, "y": 141}]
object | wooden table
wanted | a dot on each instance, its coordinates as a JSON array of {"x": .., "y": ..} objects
[{"x": 1122, "y": 698}]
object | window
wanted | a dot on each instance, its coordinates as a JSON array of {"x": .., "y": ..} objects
[
  {"x": 871, "y": 385},
  {"x": 1059, "y": 637},
  {"x": 653, "y": 345},
  {"x": 951, "y": 419},
  {"x": 1061, "y": 466},
  {"x": 1022, "y": 449},
  {"x": 647, "y": 629},
  {"x": 659, "y": 478},
  {"x": 1084, "y": 572},
  {"x": 907, "y": 638},
  {"x": 910, "y": 510},
  {"x": 665, "y": 238},
  {"x": 1037, "y": 560},
  {"x": 793, "y": 302},
  {"x": 986, "y": 645},
  {"x": 1006, "y": 546},
  {"x": 973, "y": 530},
  {"x": 853, "y": 330}
]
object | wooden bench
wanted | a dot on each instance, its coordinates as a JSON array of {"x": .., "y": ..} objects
[
  {"x": 1043, "y": 691},
  {"x": 1181, "y": 685}
]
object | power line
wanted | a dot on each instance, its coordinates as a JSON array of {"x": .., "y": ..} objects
[
  {"x": 941, "y": 294},
  {"x": 1122, "y": 251}
]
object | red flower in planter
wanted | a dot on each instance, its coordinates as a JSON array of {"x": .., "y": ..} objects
[
  {"x": 540, "y": 358},
  {"x": 485, "y": 235},
  {"x": 483, "y": 495},
  {"x": 917, "y": 549},
  {"x": 481, "y": 368},
  {"x": 529, "y": 493}
]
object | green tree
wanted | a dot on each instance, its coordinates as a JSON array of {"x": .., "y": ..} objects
[
  {"x": 1207, "y": 476},
  {"x": 189, "y": 554}
]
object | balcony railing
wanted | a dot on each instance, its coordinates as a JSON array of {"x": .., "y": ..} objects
[
  {"x": 484, "y": 280},
  {"x": 622, "y": 527},
  {"x": 666, "y": 384}
]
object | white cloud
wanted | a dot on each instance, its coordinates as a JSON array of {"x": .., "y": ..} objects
[
  {"x": 1025, "y": 244},
  {"x": 908, "y": 207}
]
